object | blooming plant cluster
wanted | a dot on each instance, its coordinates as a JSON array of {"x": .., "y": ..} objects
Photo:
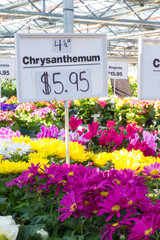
[
  {"x": 6, "y": 118},
  {"x": 46, "y": 115},
  {"x": 7, "y": 133},
  {"x": 11, "y": 100},
  {"x": 117, "y": 202},
  {"x": 114, "y": 138},
  {"x": 123, "y": 111},
  {"x": 26, "y": 107},
  {"x": 50, "y": 132},
  {"x": 8, "y": 107}
]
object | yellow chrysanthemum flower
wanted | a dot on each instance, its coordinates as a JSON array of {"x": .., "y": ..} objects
[
  {"x": 7, "y": 167},
  {"x": 102, "y": 158},
  {"x": 91, "y": 156},
  {"x": 47, "y": 146},
  {"x": 134, "y": 159},
  {"x": 1, "y": 157},
  {"x": 77, "y": 152},
  {"x": 21, "y": 139}
]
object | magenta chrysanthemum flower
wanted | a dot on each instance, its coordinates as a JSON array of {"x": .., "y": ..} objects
[
  {"x": 152, "y": 170},
  {"x": 71, "y": 203},
  {"x": 110, "y": 229},
  {"x": 144, "y": 227},
  {"x": 74, "y": 123},
  {"x": 113, "y": 204}
]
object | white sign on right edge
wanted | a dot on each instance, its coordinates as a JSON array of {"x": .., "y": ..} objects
[
  {"x": 117, "y": 69},
  {"x": 149, "y": 69}
]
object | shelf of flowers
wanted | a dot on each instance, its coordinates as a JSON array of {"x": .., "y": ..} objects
[{"x": 109, "y": 191}]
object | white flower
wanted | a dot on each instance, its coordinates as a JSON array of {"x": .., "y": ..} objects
[
  {"x": 8, "y": 228},
  {"x": 44, "y": 234},
  {"x": 3, "y": 99},
  {"x": 20, "y": 148},
  {"x": 4, "y": 143}
]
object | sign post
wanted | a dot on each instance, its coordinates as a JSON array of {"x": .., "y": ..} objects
[
  {"x": 68, "y": 27},
  {"x": 7, "y": 70},
  {"x": 69, "y": 67}
]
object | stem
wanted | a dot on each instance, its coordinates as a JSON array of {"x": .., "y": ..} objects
[
  {"x": 81, "y": 224},
  {"x": 158, "y": 194},
  {"x": 56, "y": 231},
  {"x": 157, "y": 235},
  {"x": 89, "y": 145}
]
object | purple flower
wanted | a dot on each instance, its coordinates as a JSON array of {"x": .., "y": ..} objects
[
  {"x": 71, "y": 203},
  {"x": 152, "y": 170},
  {"x": 110, "y": 229},
  {"x": 144, "y": 227},
  {"x": 51, "y": 132},
  {"x": 8, "y": 107}
]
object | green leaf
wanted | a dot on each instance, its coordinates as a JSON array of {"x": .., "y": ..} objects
[
  {"x": 2, "y": 200},
  {"x": 81, "y": 238},
  {"x": 152, "y": 113}
]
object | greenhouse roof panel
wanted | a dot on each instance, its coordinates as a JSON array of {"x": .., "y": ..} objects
[{"x": 123, "y": 21}]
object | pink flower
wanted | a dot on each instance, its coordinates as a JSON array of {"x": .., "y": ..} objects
[
  {"x": 103, "y": 140},
  {"x": 110, "y": 229},
  {"x": 7, "y": 133},
  {"x": 111, "y": 124},
  {"x": 74, "y": 123},
  {"x": 102, "y": 103},
  {"x": 93, "y": 129},
  {"x": 29, "y": 107}
]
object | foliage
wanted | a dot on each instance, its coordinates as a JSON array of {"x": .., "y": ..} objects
[
  {"x": 85, "y": 109},
  {"x": 134, "y": 86},
  {"x": 8, "y": 88}
]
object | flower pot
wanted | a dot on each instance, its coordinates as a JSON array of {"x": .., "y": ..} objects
[{"x": 27, "y": 132}]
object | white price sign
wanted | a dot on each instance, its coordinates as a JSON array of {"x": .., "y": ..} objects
[
  {"x": 149, "y": 69},
  {"x": 117, "y": 70},
  {"x": 61, "y": 66},
  {"x": 7, "y": 68}
]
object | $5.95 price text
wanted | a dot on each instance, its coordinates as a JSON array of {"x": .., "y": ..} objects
[{"x": 64, "y": 82}]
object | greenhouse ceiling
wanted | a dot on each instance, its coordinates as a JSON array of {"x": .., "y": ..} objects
[{"x": 123, "y": 21}]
